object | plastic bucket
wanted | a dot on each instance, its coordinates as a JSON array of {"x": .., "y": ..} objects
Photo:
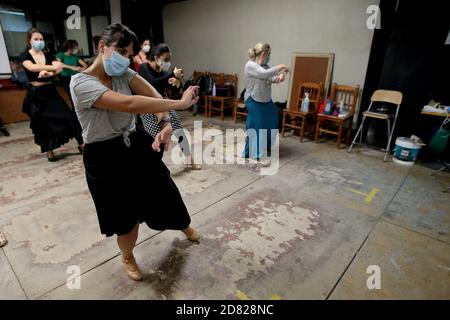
[{"x": 406, "y": 151}]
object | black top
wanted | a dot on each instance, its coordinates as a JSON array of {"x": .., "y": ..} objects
[
  {"x": 159, "y": 80},
  {"x": 33, "y": 76}
]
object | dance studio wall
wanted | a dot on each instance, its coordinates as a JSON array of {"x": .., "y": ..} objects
[{"x": 214, "y": 35}]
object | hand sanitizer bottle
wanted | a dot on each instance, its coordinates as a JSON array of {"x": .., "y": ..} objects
[
  {"x": 329, "y": 107},
  {"x": 305, "y": 103},
  {"x": 342, "y": 110}
]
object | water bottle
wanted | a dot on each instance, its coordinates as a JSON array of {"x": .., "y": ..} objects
[
  {"x": 214, "y": 90},
  {"x": 342, "y": 110},
  {"x": 305, "y": 103},
  {"x": 329, "y": 107}
]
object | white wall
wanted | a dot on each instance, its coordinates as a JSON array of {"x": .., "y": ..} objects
[{"x": 214, "y": 35}]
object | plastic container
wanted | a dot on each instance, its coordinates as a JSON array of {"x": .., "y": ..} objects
[
  {"x": 305, "y": 103},
  {"x": 406, "y": 151},
  {"x": 329, "y": 107}
]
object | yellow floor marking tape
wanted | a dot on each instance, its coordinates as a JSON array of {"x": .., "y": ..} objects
[{"x": 369, "y": 196}]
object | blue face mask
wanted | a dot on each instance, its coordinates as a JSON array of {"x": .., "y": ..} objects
[
  {"x": 38, "y": 44},
  {"x": 116, "y": 65}
]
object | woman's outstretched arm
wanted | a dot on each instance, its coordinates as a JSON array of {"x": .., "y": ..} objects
[{"x": 139, "y": 104}]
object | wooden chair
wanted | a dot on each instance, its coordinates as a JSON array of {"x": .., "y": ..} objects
[
  {"x": 385, "y": 96},
  {"x": 239, "y": 109},
  {"x": 327, "y": 123},
  {"x": 202, "y": 100},
  {"x": 217, "y": 79},
  {"x": 295, "y": 119},
  {"x": 223, "y": 102},
  {"x": 198, "y": 74}
]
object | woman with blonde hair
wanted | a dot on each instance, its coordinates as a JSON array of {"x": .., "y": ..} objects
[{"x": 262, "y": 113}]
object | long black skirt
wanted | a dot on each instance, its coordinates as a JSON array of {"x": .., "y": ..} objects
[
  {"x": 52, "y": 121},
  {"x": 131, "y": 185}
]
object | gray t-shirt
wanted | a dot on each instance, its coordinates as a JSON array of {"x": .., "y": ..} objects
[
  {"x": 101, "y": 124},
  {"x": 259, "y": 81}
]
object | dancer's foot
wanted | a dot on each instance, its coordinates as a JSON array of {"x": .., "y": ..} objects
[
  {"x": 132, "y": 269},
  {"x": 191, "y": 234},
  {"x": 192, "y": 165},
  {"x": 265, "y": 162},
  {"x": 51, "y": 156}
]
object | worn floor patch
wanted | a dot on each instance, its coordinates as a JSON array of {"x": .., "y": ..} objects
[
  {"x": 331, "y": 174},
  {"x": 201, "y": 180},
  {"x": 57, "y": 240},
  {"x": 262, "y": 231}
]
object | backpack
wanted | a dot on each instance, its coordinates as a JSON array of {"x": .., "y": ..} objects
[
  {"x": 206, "y": 84},
  {"x": 189, "y": 83}
]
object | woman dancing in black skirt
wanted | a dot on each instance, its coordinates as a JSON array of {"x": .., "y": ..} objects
[
  {"x": 53, "y": 123},
  {"x": 118, "y": 157}
]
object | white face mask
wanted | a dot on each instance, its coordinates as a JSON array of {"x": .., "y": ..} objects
[
  {"x": 165, "y": 66},
  {"x": 74, "y": 51},
  {"x": 146, "y": 48}
]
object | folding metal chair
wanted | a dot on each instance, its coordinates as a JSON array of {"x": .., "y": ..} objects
[{"x": 386, "y": 96}]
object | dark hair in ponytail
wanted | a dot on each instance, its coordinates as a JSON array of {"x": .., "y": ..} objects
[
  {"x": 158, "y": 50},
  {"x": 121, "y": 36}
]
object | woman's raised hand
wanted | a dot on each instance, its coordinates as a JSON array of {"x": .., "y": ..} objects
[
  {"x": 190, "y": 96},
  {"x": 174, "y": 82},
  {"x": 283, "y": 67},
  {"x": 280, "y": 78},
  {"x": 45, "y": 74},
  {"x": 178, "y": 72}
]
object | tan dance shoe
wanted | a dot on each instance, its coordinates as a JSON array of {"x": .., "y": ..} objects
[
  {"x": 194, "y": 166},
  {"x": 132, "y": 269},
  {"x": 191, "y": 234}
]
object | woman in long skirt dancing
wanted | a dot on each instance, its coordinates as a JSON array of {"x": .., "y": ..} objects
[
  {"x": 262, "y": 113},
  {"x": 128, "y": 181},
  {"x": 51, "y": 120}
]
